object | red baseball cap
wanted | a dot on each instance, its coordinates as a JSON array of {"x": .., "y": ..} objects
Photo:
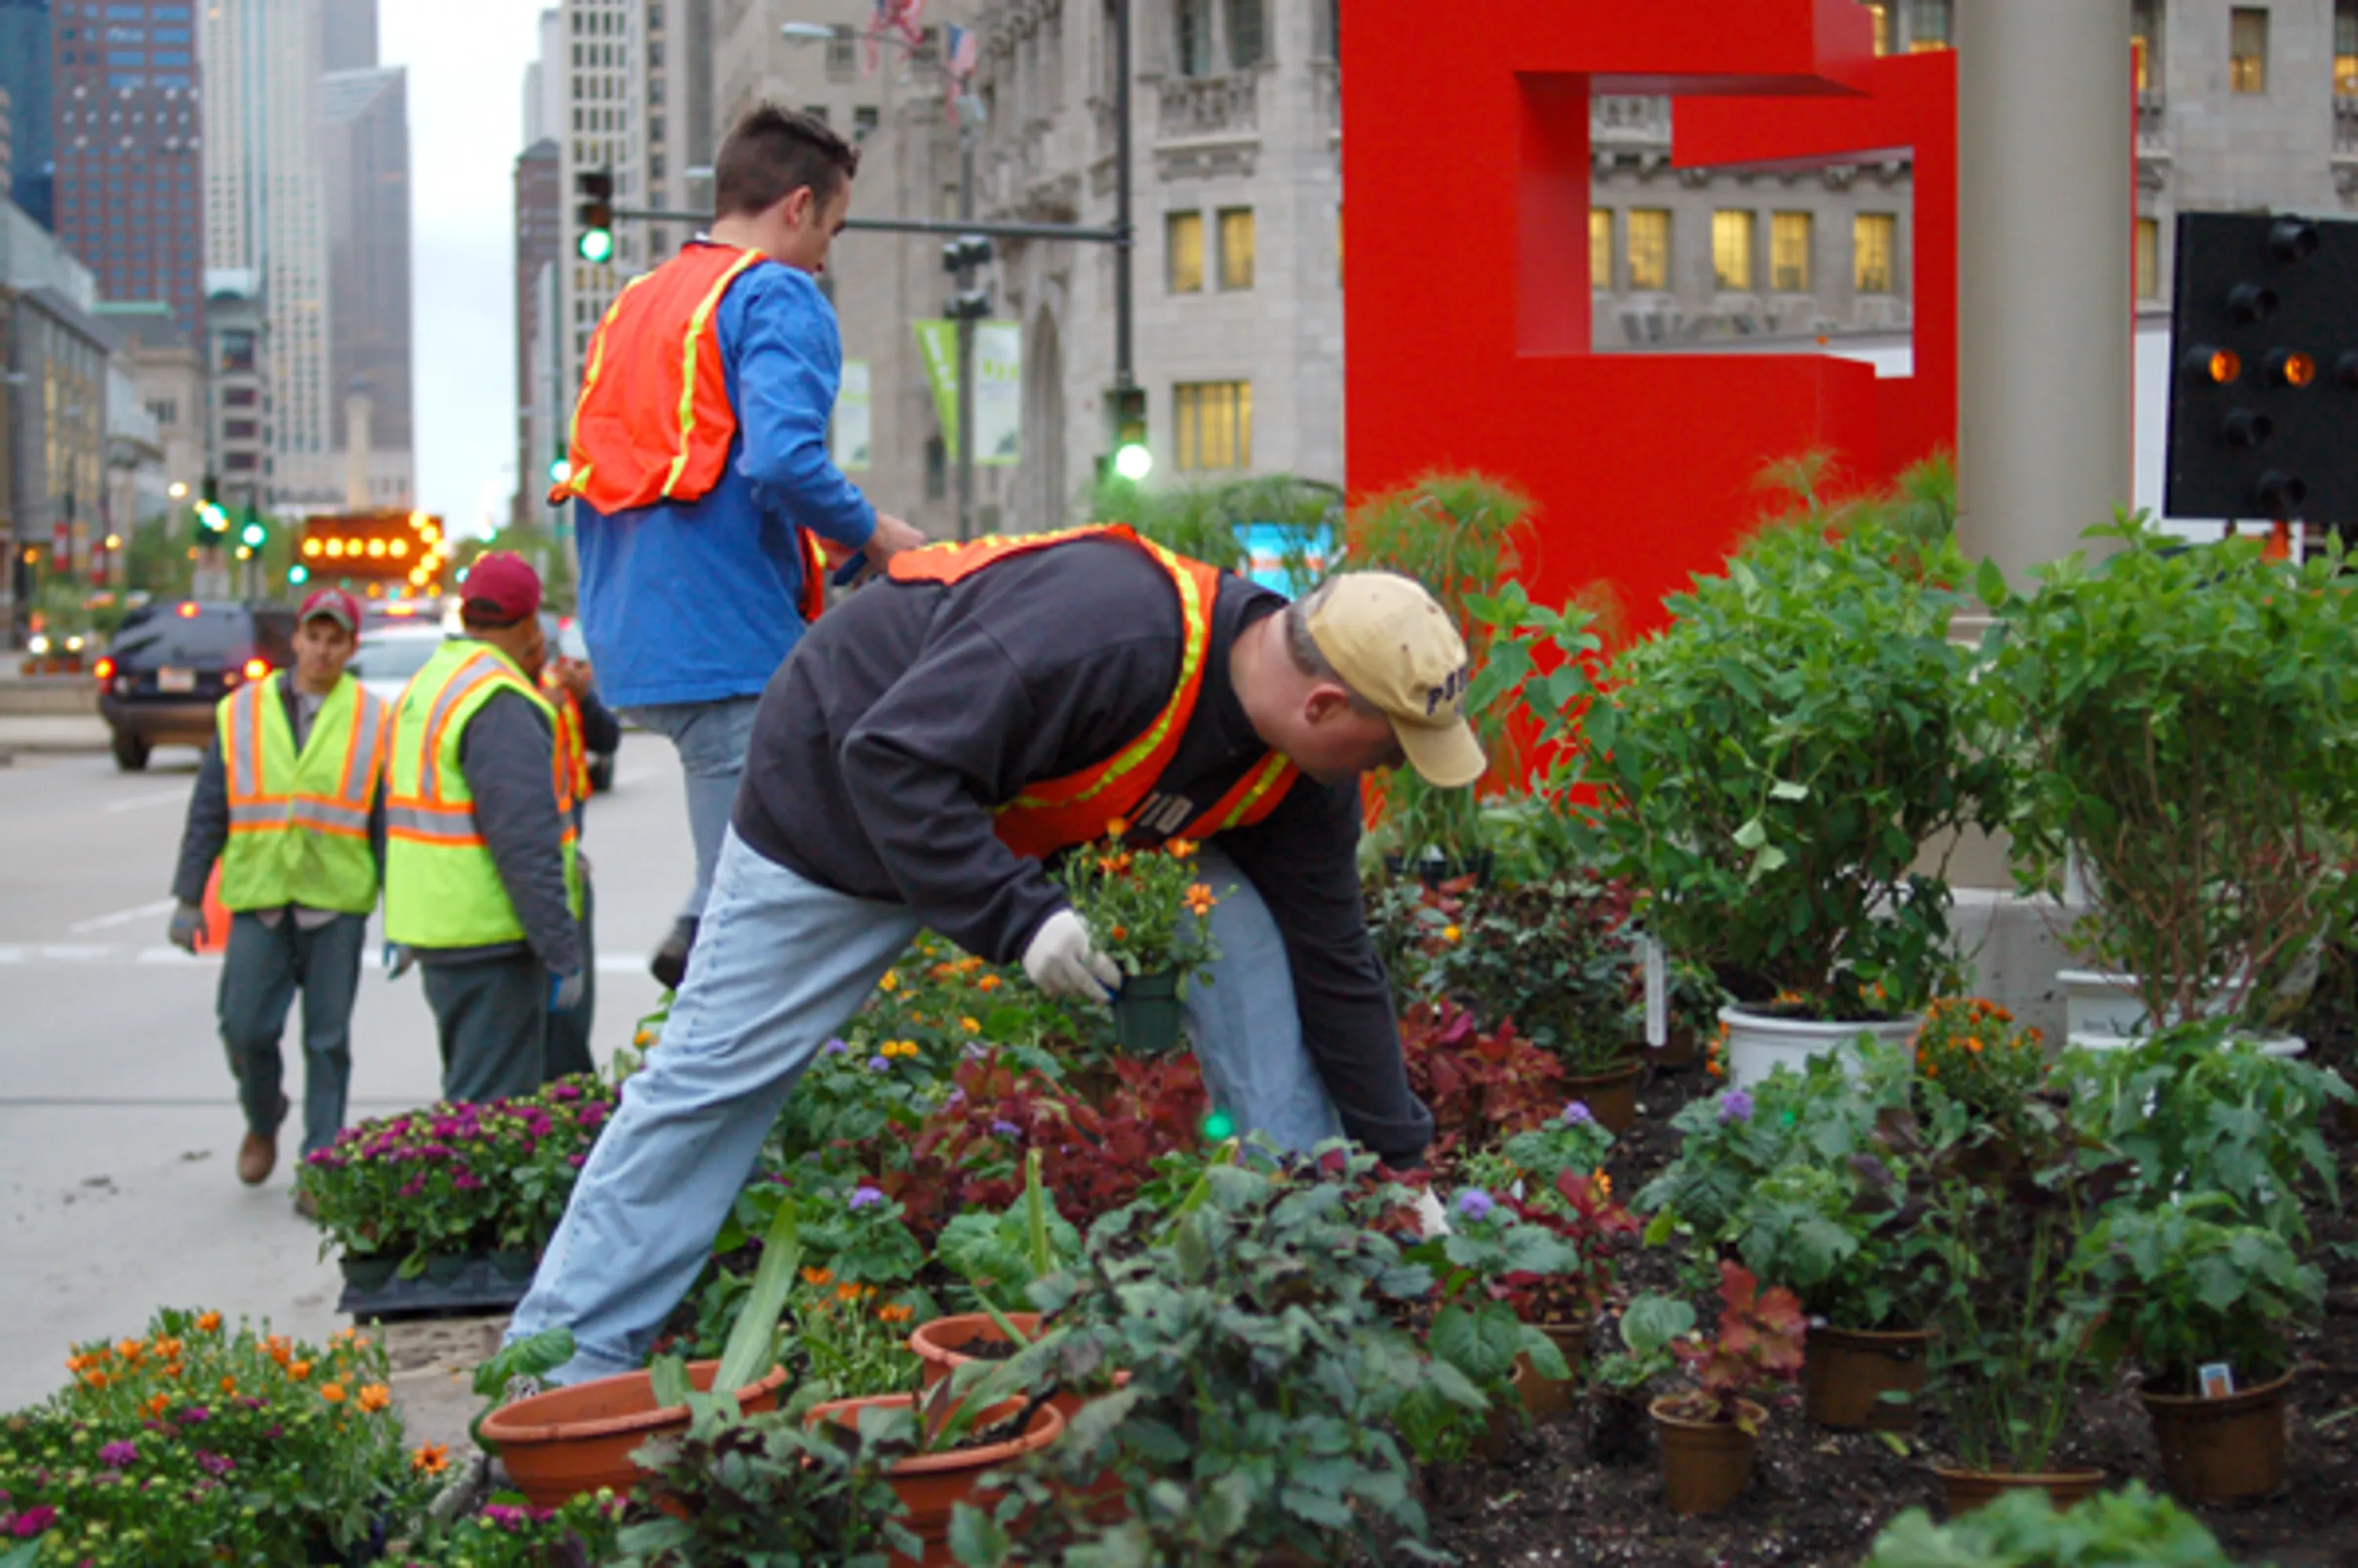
[
  {"x": 335, "y": 604},
  {"x": 501, "y": 589}
]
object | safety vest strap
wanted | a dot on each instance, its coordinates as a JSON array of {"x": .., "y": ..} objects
[{"x": 1250, "y": 799}]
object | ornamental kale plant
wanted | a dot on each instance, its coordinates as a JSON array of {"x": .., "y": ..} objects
[
  {"x": 456, "y": 1177},
  {"x": 195, "y": 1439},
  {"x": 1265, "y": 1370}
]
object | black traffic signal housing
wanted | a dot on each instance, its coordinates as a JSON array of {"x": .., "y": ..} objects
[
  {"x": 2264, "y": 397},
  {"x": 594, "y": 214},
  {"x": 1128, "y": 454},
  {"x": 966, "y": 253}
]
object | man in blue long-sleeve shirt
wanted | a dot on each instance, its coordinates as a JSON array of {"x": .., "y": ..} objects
[{"x": 701, "y": 467}]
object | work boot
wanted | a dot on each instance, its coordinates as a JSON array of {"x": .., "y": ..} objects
[
  {"x": 258, "y": 1156},
  {"x": 669, "y": 966}
]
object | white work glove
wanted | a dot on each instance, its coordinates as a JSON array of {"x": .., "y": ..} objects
[
  {"x": 1061, "y": 962},
  {"x": 1431, "y": 1216}
]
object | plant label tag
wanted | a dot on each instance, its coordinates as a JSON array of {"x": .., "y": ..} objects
[
  {"x": 1658, "y": 999},
  {"x": 2218, "y": 1381}
]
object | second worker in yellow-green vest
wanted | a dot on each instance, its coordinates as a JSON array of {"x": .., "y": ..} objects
[
  {"x": 288, "y": 802},
  {"x": 482, "y": 887}
]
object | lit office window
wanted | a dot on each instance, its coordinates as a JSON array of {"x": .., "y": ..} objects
[
  {"x": 2145, "y": 43},
  {"x": 2247, "y": 49},
  {"x": 1235, "y": 248},
  {"x": 2148, "y": 258},
  {"x": 1182, "y": 242},
  {"x": 1731, "y": 249},
  {"x": 1600, "y": 247},
  {"x": 1649, "y": 247},
  {"x": 1880, "y": 12},
  {"x": 2345, "y": 48},
  {"x": 1215, "y": 424},
  {"x": 1789, "y": 235},
  {"x": 1871, "y": 237}
]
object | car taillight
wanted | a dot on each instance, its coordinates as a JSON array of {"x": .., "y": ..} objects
[
  {"x": 256, "y": 668},
  {"x": 103, "y": 670}
]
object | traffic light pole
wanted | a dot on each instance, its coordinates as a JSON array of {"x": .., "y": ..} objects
[{"x": 965, "y": 344}]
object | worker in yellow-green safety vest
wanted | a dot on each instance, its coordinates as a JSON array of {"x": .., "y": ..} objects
[
  {"x": 288, "y": 802},
  {"x": 481, "y": 886}
]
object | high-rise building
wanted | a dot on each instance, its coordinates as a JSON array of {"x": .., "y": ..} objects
[
  {"x": 7, "y": 144},
  {"x": 237, "y": 363},
  {"x": 545, "y": 81},
  {"x": 365, "y": 146},
  {"x": 25, "y": 76},
  {"x": 539, "y": 230},
  {"x": 674, "y": 137},
  {"x": 347, "y": 34},
  {"x": 596, "y": 132},
  {"x": 125, "y": 133},
  {"x": 264, "y": 218}
]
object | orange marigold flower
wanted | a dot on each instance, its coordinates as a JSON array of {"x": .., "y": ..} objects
[
  {"x": 299, "y": 1370},
  {"x": 208, "y": 1323},
  {"x": 229, "y": 1385},
  {"x": 1603, "y": 1185},
  {"x": 1181, "y": 848},
  {"x": 846, "y": 1291},
  {"x": 431, "y": 1459},
  {"x": 1199, "y": 899},
  {"x": 375, "y": 1397},
  {"x": 987, "y": 983},
  {"x": 1716, "y": 1070},
  {"x": 96, "y": 1380},
  {"x": 1451, "y": 934},
  {"x": 333, "y": 1393},
  {"x": 818, "y": 1276},
  {"x": 1122, "y": 934},
  {"x": 128, "y": 1349},
  {"x": 1117, "y": 827},
  {"x": 893, "y": 1312},
  {"x": 173, "y": 1371},
  {"x": 971, "y": 1026},
  {"x": 891, "y": 982},
  {"x": 1973, "y": 1045},
  {"x": 156, "y": 1405}
]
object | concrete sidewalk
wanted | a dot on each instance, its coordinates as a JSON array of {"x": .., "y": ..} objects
[{"x": 54, "y": 734}]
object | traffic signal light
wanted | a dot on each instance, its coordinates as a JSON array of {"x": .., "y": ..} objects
[
  {"x": 1126, "y": 423},
  {"x": 966, "y": 253},
  {"x": 595, "y": 214},
  {"x": 2264, "y": 399},
  {"x": 298, "y": 575},
  {"x": 256, "y": 533},
  {"x": 967, "y": 305},
  {"x": 213, "y": 524}
]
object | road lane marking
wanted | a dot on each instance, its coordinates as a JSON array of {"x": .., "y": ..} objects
[
  {"x": 123, "y": 916},
  {"x": 170, "y": 955},
  {"x": 141, "y": 802},
  {"x": 75, "y": 952}
]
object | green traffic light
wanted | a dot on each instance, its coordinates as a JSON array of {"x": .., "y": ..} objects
[
  {"x": 298, "y": 574},
  {"x": 1219, "y": 1126},
  {"x": 1133, "y": 461},
  {"x": 253, "y": 534},
  {"x": 596, "y": 245}
]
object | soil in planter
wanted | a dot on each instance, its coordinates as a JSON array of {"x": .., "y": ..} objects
[
  {"x": 1819, "y": 1498},
  {"x": 980, "y": 1349}
]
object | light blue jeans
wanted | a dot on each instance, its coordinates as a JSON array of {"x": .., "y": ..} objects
[
  {"x": 710, "y": 738},
  {"x": 780, "y": 965}
]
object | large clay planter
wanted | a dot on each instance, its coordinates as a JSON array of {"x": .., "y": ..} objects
[
  {"x": 1847, "y": 1372},
  {"x": 1611, "y": 1098},
  {"x": 2216, "y": 1451},
  {"x": 1963, "y": 1491},
  {"x": 567, "y": 1443},
  {"x": 935, "y": 1343},
  {"x": 1553, "y": 1398},
  {"x": 1759, "y": 1043},
  {"x": 1704, "y": 1463},
  {"x": 931, "y": 1484}
]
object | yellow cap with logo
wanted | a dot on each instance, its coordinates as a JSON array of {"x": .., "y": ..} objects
[{"x": 1395, "y": 647}]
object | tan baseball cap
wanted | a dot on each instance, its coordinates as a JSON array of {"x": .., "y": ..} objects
[{"x": 1395, "y": 646}]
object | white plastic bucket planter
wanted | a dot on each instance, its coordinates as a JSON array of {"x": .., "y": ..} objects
[
  {"x": 2100, "y": 1013},
  {"x": 1757, "y": 1045}
]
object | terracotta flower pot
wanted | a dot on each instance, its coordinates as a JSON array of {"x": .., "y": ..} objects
[
  {"x": 938, "y": 1345},
  {"x": 567, "y": 1443},
  {"x": 1963, "y": 1491},
  {"x": 1704, "y": 1463},
  {"x": 2214, "y": 1451},
  {"x": 1611, "y": 1098},
  {"x": 1553, "y": 1398},
  {"x": 1678, "y": 1052},
  {"x": 1847, "y": 1372},
  {"x": 931, "y": 1484}
]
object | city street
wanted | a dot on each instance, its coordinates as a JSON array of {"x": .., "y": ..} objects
[{"x": 118, "y": 1126}]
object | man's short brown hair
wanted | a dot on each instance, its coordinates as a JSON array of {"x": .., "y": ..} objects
[{"x": 771, "y": 153}]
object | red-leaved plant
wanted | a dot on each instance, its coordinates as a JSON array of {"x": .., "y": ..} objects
[
  {"x": 1758, "y": 1343},
  {"x": 1592, "y": 1224},
  {"x": 1482, "y": 1088},
  {"x": 970, "y": 1153}
]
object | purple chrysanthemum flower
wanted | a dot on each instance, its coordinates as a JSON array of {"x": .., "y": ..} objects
[
  {"x": 879, "y": 1064},
  {"x": 1475, "y": 1204},
  {"x": 865, "y": 1196},
  {"x": 1734, "y": 1106},
  {"x": 1577, "y": 1114},
  {"x": 833, "y": 1048},
  {"x": 1006, "y": 1129}
]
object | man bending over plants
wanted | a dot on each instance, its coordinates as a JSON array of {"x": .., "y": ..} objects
[{"x": 925, "y": 748}]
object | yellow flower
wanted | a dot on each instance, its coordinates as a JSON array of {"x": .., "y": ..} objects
[
  {"x": 1603, "y": 1185},
  {"x": 891, "y": 982},
  {"x": 1451, "y": 934},
  {"x": 970, "y": 1025},
  {"x": 375, "y": 1397}
]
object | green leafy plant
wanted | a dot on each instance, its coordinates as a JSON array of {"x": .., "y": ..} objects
[
  {"x": 2128, "y": 1529},
  {"x": 1771, "y": 766},
  {"x": 2191, "y": 1284},
  {"x": 2188, "y": 731},
  {"x": 1145, "y": 908},
  {"x": 2199, "y": 1112},
  {"x": 999, "y": 1255},
  {"x": 1264, "y": 1370},
  {"x": 1477, "y": 1327},
  {"x": 1557, "y": 957},
  {"x": 1207, "y": 522},
  {"x": 1847, "y": 1238},
  {"x": 1649, "y": 1327}
]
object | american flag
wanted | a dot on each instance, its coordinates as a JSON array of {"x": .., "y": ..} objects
[
  {"x": 964, "y": 51},
  {"x": 895, "y": 16}
]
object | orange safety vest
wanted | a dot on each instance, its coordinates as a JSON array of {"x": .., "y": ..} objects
[
  {"x": 572, "y": 746},
  {"x": 658, "y": 429},
  {"x": 1075, "y": 809}
]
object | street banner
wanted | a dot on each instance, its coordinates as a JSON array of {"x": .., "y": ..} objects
[
  {"x": 998, "y": 386},
  {"x": 854, "y": 432}
]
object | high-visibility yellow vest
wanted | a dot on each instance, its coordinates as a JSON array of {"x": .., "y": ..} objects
[
  {"x": 442, "y": 889},
  {"x": 298, "y": 821}
]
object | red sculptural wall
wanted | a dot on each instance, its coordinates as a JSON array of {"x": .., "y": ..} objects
[{"x": 1466, "y": 177}]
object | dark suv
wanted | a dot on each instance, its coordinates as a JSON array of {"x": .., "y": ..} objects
[{"x": 170, "y": 663}]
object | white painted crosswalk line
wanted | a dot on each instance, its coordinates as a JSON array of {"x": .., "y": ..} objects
[{"x": 121, "y": 917}]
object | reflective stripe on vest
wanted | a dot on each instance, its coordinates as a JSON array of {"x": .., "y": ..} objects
[
  {"x": 298, "y": 822},
  {"x": 1060, "y": 813},
  {"x": 654, "y": 422},
  {"x": 442, "y": 886},
  {"x": 572, "y": 748}
]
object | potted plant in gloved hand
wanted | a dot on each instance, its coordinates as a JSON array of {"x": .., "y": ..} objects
[{"x": 1146, "y": 911}]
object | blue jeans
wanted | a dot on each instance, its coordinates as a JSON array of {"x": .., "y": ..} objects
[
  {"x": 781, "y": 964},
  {"x": 261, "y": 972},
  {"x": 710, "y": 738}
]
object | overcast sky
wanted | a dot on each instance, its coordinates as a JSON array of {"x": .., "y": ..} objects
[{"x": 466, "y": 60}]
